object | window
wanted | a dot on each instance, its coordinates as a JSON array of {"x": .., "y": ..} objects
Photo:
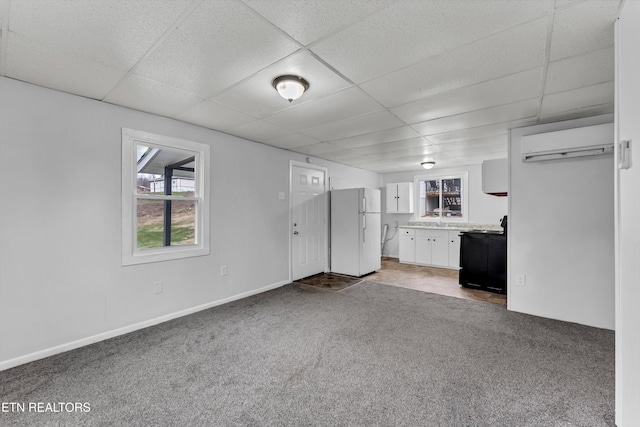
[
  {"x": 442, "y": 198},
  {"x": 165, "y": 206}
]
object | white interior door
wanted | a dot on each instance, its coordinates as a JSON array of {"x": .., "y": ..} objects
[{"x": 309, "y": 205}]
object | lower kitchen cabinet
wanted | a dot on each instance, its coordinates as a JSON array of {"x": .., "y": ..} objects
[
  {"x": 483, "y": 261},
  {"x": 430, "y": 247},
  {"x": 407, "y": 246}
]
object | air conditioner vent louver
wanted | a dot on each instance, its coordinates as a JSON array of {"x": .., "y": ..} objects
[{"x": 564, "y": 144}]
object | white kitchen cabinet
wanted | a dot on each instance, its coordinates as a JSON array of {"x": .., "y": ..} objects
[
  {"x": 495, "y": 175},
  {"x": 454, "y": 249},
  {"x": 400, "y": 197},
  {"x": 424, "y": 246},
  {"x": 407, "y": 246},
  {"x": 432, "y": 247}
]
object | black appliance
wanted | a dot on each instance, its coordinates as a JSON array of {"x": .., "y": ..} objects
[{"x": 483, "y": 261}]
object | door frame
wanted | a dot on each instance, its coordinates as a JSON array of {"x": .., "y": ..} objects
[{"x": 292, "y": 164}]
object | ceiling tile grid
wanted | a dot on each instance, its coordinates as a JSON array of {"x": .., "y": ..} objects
[
  {"x": 392, "y": 82},
  {"x": 517, "y": 49},
  {"x": 221, "y": 43}
]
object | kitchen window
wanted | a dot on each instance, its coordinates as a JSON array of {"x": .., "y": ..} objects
[
  {"x": 442, "y": 198},
  {"x": 165, "y": 203}
]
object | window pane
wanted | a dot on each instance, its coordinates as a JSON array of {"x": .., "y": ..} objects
[
  {"x": 157, "y": 166},
  {"x": 183, "y": 222},
  {"x": 431, "y": 201},
  {"x": 451, "y": 198},
  {"x": 150, "y": 224}
]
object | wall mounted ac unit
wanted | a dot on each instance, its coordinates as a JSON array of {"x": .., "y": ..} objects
[{"x": 564, "y": 144}]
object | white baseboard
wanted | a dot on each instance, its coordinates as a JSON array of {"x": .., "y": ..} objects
[{"x": 41, "y": 354}]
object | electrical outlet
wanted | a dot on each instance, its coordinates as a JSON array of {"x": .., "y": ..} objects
[
  {"x": 281, "y": 195},
  {"x": 158, "y": 288},
  {"x": 521, "y": 280},
  {"x": 223, "y": 270}
]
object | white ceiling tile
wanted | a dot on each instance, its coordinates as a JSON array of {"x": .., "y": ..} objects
[
  {"x": 476, "y": 150},
  {"x": 396, "y": 134},
  {"x": 292, "y": 141},
  {"x": 474, "y": 143},
  {"x": 309, "y": 20},
  {"x": 577, "y": 114},
  {"x": 342, "y": 155},
  {"x": 115, "y": 33},
  {"x": 257, "y": 96},
  {"x": 518, "y": 49},
  {"x": 339, "y": 106},
  {"x": 214, "y": 116},
  {"x": 479, "y": 131},
  {"x": 260, "y": 130},
  {"x": 409, "y": 31},
  {"x": 147, "y": 95},
  {"x": 46, "y": 66},
  {"x": 392, "y": 146},
  {"x": 562, "y": 102},
  {"x": 355, "y": 126},
  {"x": 569, "y": 36},
  {"x": 318, "y": 149},
  {"x": 578, "y": 71},
  {"x": 505, "y": 90},
  {"x": 208, "y": 52},
  {"x": 503, "y": 113},
  {"x": 419, "y": 153}
]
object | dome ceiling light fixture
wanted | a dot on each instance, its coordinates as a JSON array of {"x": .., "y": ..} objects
[
  {"x": 290, "y": 87},
  {"x": 428, "y": 165}
]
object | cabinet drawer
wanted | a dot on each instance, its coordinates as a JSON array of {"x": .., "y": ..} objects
[{"x": 407, "y": 232}]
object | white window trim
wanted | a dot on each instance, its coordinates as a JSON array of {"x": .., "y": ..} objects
[
  {"x": 130, "y": 254},
  {"x": 465, "y": 197}
]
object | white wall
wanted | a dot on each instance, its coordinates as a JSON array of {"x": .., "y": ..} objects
[
  {"x": 561, "y": 233},
  {"x": 628, "y": 219},
  {"x": 483, "y": 208},
  {"x": 61, "y": 280}
]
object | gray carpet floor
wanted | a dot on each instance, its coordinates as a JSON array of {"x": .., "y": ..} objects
[{"x": 369, "y": 355}]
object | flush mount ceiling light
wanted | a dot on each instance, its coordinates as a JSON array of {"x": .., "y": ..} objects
[
  {"x": 290, "y": 87},
  {"x": 428, "y": 165}
]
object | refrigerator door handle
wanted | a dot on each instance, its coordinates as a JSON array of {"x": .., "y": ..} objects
[
  {"x": 364, "y": 226},
  {"x": 364, "y": 204}
]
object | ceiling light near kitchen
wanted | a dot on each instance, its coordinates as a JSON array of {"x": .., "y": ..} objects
[
  {"x": 290, "y": 87},
  {"x": 428, "y": 165}
]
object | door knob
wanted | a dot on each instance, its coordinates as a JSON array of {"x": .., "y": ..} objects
[{"x": 295, "y": 232}]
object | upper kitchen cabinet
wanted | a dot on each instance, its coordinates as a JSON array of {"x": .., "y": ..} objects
[
  {"x": 495, "y": 177},
  {"x": 400, "y": 197}
]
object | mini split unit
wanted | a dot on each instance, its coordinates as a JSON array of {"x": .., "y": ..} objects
[{"x": 585, "y": 141}]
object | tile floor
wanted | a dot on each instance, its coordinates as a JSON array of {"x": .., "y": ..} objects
[{"x": 428, "y": 279}]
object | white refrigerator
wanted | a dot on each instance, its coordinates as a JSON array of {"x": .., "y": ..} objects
[{"x": 355, "y": 231}]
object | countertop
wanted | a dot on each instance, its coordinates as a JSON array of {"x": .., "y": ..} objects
[{"x": 453, "y": 226}]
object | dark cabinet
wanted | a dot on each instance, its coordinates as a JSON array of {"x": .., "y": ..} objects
[{"x": 483, "y": 261}]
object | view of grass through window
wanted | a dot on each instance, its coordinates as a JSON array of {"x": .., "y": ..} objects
[
  {"x": 151, "y": 223},
  {"x": 154, "y": 201}
]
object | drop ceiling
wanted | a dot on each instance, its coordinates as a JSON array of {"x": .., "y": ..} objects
[{"x": 393, "y": 83}]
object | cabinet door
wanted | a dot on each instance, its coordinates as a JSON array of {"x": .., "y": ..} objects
[
  {"x": 405, "y": 197},
  {"x": 423, "y": 250},
  {"x": 439, "y": 251},
  {"x": 473, "y": 261},
  {"x": 392, "y": 198},
  {"x": 497, "y": 264},
  {"x": 407, "y": 249},
  {"x": 454, "y": 252}
]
